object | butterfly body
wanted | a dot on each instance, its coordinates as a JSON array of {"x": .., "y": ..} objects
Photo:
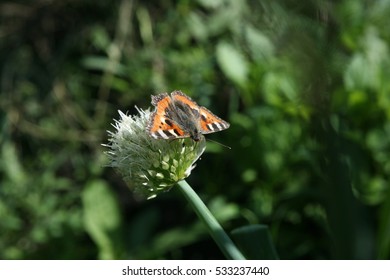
[{"x": 178, "y": 116}]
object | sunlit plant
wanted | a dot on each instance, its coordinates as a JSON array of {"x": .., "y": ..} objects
[{"x": 151, "y": 166}]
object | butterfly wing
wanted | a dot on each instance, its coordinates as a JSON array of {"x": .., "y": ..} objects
[
  {"x": 160, "y": 126},
  {"x": 211, "y": 123},
  {"x": 181, "y": 97}
]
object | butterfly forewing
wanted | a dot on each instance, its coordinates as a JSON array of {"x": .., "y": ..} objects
[
  {"x": 160, "y": 126},
  {"x": 181, "y": 97}
]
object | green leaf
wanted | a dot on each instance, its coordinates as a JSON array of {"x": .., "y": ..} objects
[
  {"x": 211, "y": 4},
  {"x": 197, "y": 27},
  {"x": 232, "y": 62},
  {"x": 103, "y": 64},
  {"x": 102, "y": 217},
  {"x": 260, "y": 45},
  {"x": 100, "y": 38},
  {"x": 255, "y": 242},
  {"x": 11, "y": 164},
  {"x": 367, "y": 69}
]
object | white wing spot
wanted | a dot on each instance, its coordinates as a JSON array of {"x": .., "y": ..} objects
[
  {"x": 163, "y": 135},
  {"x": 173, "y": 132}
]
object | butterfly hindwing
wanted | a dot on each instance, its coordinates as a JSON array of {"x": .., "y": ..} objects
[{"x": 211, "y": 123}]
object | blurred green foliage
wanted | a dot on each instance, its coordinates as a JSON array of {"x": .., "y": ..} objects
[{"x": 305, "y": 86}]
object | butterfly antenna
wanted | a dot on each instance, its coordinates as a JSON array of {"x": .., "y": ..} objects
[{"x": 218, "y": 143}]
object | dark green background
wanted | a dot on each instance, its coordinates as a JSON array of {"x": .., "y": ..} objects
[{"x": 304, "y": 84}]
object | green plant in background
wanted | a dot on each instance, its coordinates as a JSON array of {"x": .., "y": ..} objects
[{"x": 306, "y": 89}]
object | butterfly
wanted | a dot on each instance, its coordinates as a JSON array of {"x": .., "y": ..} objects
[{"x": 178, "y": 116}]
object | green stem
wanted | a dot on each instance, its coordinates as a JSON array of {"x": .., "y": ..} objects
[{"x": 219, "y": 235}]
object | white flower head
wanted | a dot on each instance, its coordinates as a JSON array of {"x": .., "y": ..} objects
[{"x": 150, "y": 165}]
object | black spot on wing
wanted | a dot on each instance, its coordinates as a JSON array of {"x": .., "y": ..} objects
[
  {"x": 168, "y": 122},
  {"x": 169, "y": 134},
  {"x": 176, "y": 131},
  {"x": 214, "y": 126}
]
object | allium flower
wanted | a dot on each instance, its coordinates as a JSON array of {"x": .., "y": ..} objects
[{"x": 148, "y": 165}]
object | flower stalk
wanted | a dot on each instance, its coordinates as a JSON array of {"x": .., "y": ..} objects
[{"x": 223, "y": 241}]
